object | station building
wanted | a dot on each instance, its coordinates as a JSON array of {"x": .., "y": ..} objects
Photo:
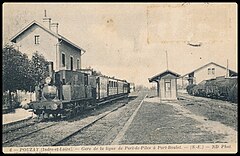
[
  {"x": 166, "y": 85},
  {"x": 206, "y": 72},
  {"x": 45, "y": 39}
]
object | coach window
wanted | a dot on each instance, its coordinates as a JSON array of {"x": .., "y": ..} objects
[
  {"x": 37, "y": 39},
  {"x": 63, "y": 60}
]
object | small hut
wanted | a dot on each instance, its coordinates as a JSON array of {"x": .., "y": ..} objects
[{"x": 166, "y": 85}]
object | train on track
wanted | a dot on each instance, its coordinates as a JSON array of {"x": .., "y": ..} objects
[
  {"x": 220, "y": 88},
  {"x": 66, "y": 93}
]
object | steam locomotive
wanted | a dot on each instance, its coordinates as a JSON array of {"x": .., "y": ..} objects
[{"x": 66, "y": 93}]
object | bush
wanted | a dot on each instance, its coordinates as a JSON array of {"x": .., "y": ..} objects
[
  {"x": 190, "y": 88},
  {"x": 233, "y": 94}
]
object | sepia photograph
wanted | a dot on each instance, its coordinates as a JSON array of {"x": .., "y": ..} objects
[{"x": 119, "y": 78}]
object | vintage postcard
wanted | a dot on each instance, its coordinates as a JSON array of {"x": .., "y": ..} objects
[{"x": 119, "y": 78}]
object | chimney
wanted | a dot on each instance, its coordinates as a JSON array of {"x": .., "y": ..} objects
[
  {"x": 54, "y": 27},
  {"x": 47, "y": 20}
]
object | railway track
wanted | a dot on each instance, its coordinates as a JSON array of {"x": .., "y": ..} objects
[
  {"x": 216, "y": 110},
  {"x": 209, "y": 104},
  {"x": 106, "y": 137},
  {"x": 24, "y": 134},
  {"x": 20, "y": 136},
  {"x": 16, "y": 123},
  {"x": 84, "y": 127},
  {"x": 9, "y": 130},
  {"x": 30, "y": 134}
]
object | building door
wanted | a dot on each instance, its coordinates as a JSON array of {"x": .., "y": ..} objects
[
  {"x": 71, "y": 63},
  {"x": 168, "y": 89}
]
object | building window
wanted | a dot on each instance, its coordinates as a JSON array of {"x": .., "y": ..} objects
[
  {"x": 213, "y": 71},
  {"x": 78, "y": 64},
  {"x": 63, "y": 60},
  {"x": 37, "y": 39},
  {"x": 71, "y": 63},
  {"x": 209, "y": 71}
]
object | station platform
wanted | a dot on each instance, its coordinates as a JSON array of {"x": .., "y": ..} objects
[
  {"x": 19, "y": 114},
  {"x": 176, "y": 122}
]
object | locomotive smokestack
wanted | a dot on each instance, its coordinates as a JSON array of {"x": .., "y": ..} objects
[{"x": 50, "y": 69}]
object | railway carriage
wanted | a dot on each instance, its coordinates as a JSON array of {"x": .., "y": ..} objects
[
  {"x": 112, "y": 85},
  {"x": 219, "y": 88},
  {"x": 102, "y": 87}
]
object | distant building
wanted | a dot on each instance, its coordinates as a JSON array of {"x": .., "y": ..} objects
[
  {"x": 36, "y": 37},
  {"x": 87, "y": 71},
  {"x": 132, "y": 87},
  {"x": 206, "y": 72},
  {"x": 166, "y": 84}
]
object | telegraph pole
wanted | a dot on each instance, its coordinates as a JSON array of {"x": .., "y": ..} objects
[
  {"x": 167, "y": 59},
  {"x": 227, "y": 70}
]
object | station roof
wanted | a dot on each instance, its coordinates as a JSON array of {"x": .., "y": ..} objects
[
  {"x": 13, "y": 39},
  {"x": 234, "y": 73},
  {"x": 158, "y": 76}
]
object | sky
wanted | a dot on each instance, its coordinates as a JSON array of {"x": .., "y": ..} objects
[{"x": 131, "y": 41}]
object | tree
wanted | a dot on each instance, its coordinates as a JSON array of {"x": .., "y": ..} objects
[
  {"x": 20, "y": 73},
  {"x": 38, "y": 68},
  {"x": 153, "y": 88},
  {"x": 140, "y": 87},
  {"x": 94, "y": 72},
  {"x": 97, "y": 73},
  {"x": 15, "y": 71}
]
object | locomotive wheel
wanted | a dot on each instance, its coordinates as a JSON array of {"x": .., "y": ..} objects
[
  {"x": 74, "y": 112},
  {"x": 41, "y": 115},
  {"x": 55, "y": 115},
  {"x": 46, "y": 115},
  {"x": 69, "y": 114}
]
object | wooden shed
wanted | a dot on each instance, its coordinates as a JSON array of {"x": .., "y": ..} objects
[{"x": 166, "y": 84}]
